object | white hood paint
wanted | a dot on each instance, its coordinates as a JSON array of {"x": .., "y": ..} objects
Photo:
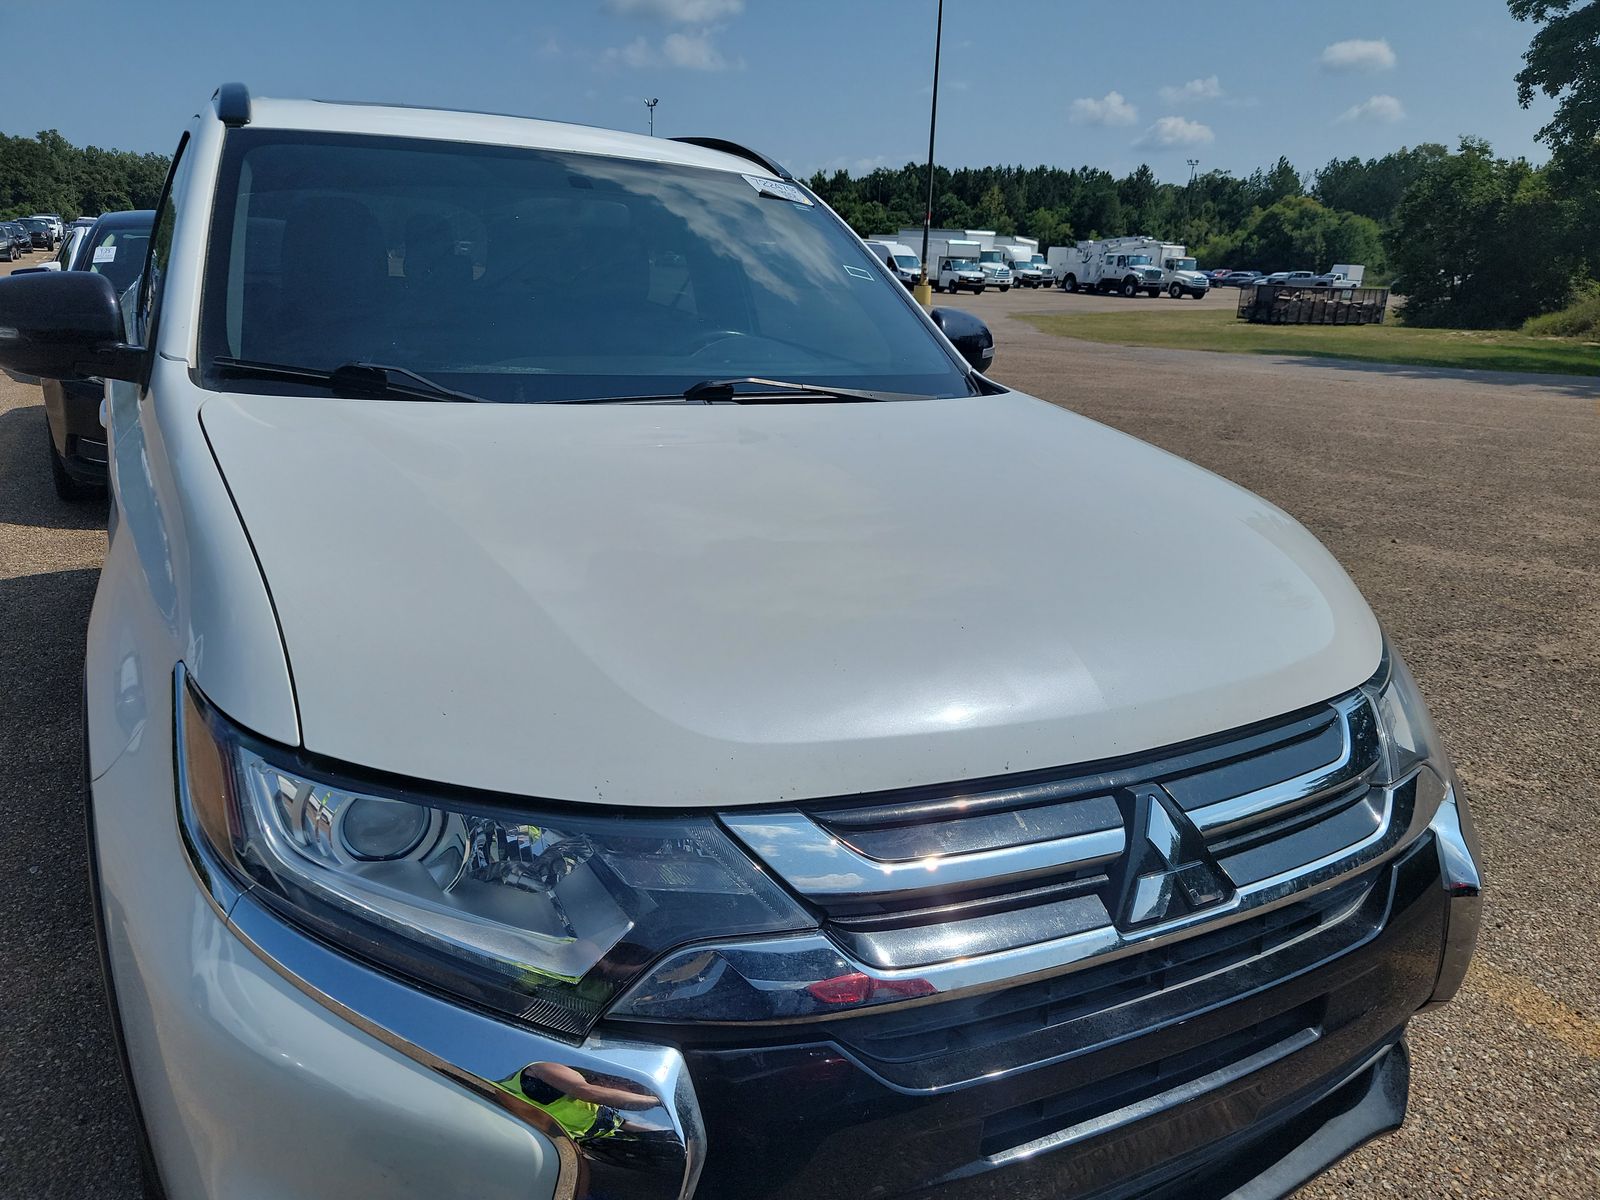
[{"x": 689, "y": 604}]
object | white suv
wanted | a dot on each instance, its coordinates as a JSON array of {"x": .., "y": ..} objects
[{"x": 677, "y": 728}]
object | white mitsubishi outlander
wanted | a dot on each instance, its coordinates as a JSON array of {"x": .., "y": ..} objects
[{"x": 593, "y": 693}]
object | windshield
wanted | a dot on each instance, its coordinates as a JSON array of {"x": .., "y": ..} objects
[
  {"x": 35, "y": 223},
  {"x": 991, "y": 256},
  {"x": 531, "y": 275},
  {"x": 1183, "y": 264},
  {"x": 961, "y": 264},
  {"x": 908, "y": 262}
]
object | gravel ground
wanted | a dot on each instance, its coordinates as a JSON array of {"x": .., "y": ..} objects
[{"x": 1466, "y": 507}]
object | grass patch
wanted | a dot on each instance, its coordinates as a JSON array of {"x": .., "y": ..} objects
[
  {"x": 1580, "y": 320},
  {"x": 1219, "y": 329}
]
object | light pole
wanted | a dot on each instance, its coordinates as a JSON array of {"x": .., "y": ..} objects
[
  {"x": 923, "y": 291},
  {"x": 651, "y": 105},
  {"x": 1193, "y": 163}
]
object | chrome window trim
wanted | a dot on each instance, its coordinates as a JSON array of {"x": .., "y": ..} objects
[{"x": 817, "y": 863}]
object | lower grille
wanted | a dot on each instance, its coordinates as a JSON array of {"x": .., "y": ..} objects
[
  {"x": 953, "y": 1043},
  {"x": 1108, "y": 1103}
]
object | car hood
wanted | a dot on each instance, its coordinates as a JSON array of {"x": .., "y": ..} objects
[{"x": 732, "y": 604}]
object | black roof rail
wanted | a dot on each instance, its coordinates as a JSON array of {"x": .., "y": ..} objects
[
  {"x": 233, "y": 104},
  {"x": 738, "y": 151}
]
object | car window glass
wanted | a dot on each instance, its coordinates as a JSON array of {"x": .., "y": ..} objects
[
  {"x": 119, "y": 255},
  {"x": 152, "y": 278},
  {"x": 527, "y": 275}
]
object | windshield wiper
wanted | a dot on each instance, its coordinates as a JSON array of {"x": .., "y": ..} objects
[
  {"x": 358, "y": 378},
  {"x": 708, "y": 391}
]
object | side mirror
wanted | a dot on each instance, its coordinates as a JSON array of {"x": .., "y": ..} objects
[
  {"x": 64, "y": 325},
  {"x": 969, "y": 335}
]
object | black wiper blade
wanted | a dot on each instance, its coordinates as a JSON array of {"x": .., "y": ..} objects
[
  {"x": 359, "y": 378},
  {"x": 708, "y": 391}
]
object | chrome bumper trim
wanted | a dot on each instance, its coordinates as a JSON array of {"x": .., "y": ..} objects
[
  {"x": 663, "y": 1133},
  {"x": 1462, "y": 879}
]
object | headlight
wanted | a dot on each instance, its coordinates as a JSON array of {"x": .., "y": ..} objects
[
  {"x": 542, "y": 915},
  {"x": 1407, "y": 732}
]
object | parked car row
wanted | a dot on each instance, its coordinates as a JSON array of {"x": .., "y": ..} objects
[{"x": 15, "y": 241}]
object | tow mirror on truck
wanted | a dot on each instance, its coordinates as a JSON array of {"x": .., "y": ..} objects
[
  {"x": 64, "y": 325},
  {"x": 969, "y": 335}
]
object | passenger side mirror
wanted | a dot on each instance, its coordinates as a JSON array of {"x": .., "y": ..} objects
[
  {"x": 969, "y": 335},
  {"x": 64, "y": 325}
]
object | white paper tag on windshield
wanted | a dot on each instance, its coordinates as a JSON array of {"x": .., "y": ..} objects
[
  {"x": 778, "y": 189},
  {"x": 105, "y": 254}
]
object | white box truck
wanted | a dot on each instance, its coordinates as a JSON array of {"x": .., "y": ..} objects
[
  {"x": 1180, "y": 274},
  {"x": 953, "y": 265}
]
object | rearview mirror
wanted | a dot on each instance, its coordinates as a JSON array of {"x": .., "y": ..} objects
[
  {"x": 969, "y": 335},
  {"x": 64, "y": 325}
]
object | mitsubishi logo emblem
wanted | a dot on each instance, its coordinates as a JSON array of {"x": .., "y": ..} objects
[{"x": 1168, "y": 873}]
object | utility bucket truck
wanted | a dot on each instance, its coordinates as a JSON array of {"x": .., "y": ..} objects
[{"x": 1126, "y": 266}]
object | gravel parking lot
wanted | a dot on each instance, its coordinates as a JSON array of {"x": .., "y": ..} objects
[{"x": 1467, "y": 508}]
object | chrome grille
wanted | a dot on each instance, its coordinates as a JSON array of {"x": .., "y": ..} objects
[{"x": 1133, "y": 845}]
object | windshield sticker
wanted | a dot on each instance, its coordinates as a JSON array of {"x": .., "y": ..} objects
[
  {"x": 105, "y": 254},
  {"x": 858, "y": 272},
  {"x": 778, "y": 190}
]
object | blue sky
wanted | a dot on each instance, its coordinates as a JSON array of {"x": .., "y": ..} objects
[{"x": 824, "y": 83}]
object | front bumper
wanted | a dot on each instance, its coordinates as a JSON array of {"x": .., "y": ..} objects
[
  {"x": 255, "y": 1032},
  {"x": 72, "y": 408},
  {"x": 1266, "y": 1048}
]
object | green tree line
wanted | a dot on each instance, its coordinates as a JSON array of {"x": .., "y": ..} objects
[
  {"x": 1472, "y": 239},
  {"x": 1274, "y": 219},
  {"x": 47, "y": 173}
]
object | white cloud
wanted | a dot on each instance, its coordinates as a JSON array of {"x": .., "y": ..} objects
[
  {"x": 1112, "y": 110},
  {"x": 1209, "y": 88},
  {"x": 685, "y": 51},
  {"x": 1378, "y": 108},
  {"x": 1359, "y": 55},
  {"x": 687, "y": 12},
  {"x": 1171, "y": 132},
  {"x": 693, "y": 52}
]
